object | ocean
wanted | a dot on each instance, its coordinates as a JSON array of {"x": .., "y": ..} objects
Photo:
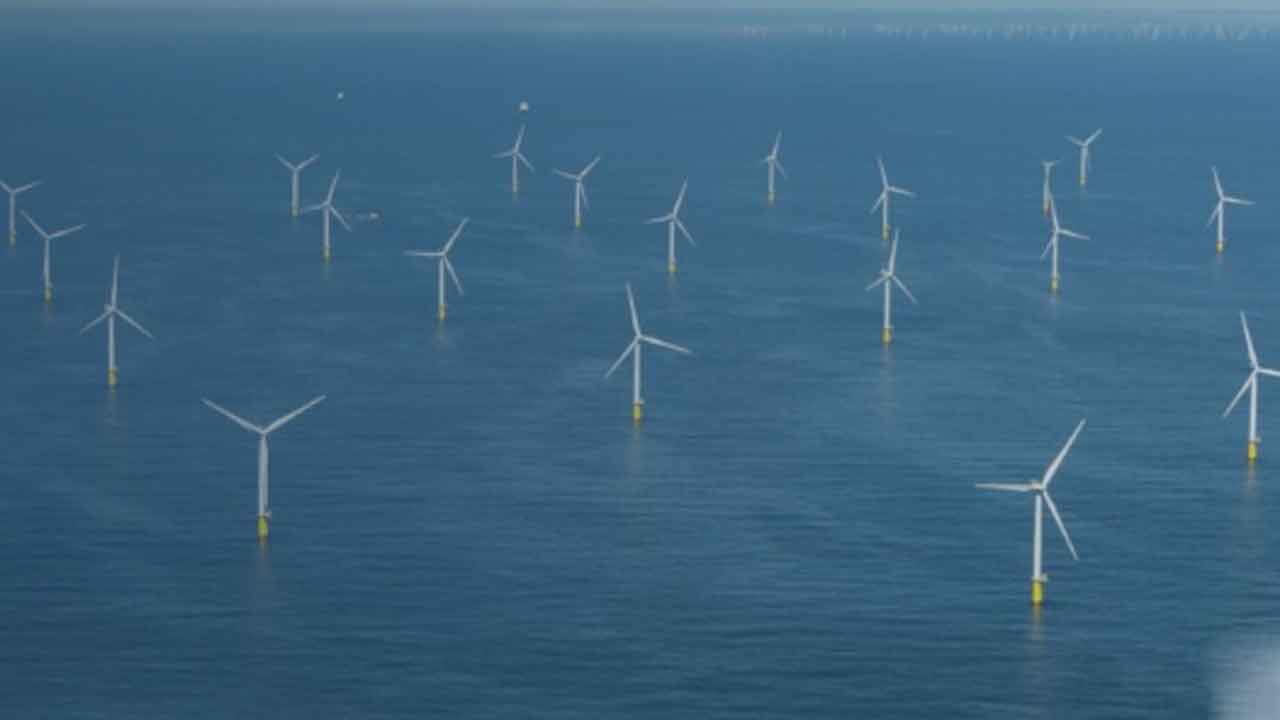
[{"x": 471, "y": 526}]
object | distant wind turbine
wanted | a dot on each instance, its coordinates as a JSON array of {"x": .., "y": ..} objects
[
  {"x": 48, "y": 239},
  {"x": 579, "y": 189},
  {"x": 1046, "y": 194},
  {"x": 109, "y": 313},
  {"x": 889, "y": 278},
  {"x": 1041, "y": 491},
  {"x": 14, "y": 192},
  {"x": 517, "y": 157},
  {"x": 774, "y": 164},
  {"x": 445, "y": 265},
  {"x": 329, "y": 211},
  {"x": 1085, "y": 154},
  {"x": 295, "y": 171},
  {"x": 1220, "y": 210},
  {"x": 887, "y": 191},
  {"x": 1251, "y": 385},
  {"x": 1055, "y": 232},
  {"x": 634, "y": 350},
  {"x": 672, "y": 219},
  {"x": 264, "y": 506}
]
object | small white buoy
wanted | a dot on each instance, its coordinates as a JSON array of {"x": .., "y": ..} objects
[
  {"x": 341, "y": 95},
  {"x": 524, "y": 106}
]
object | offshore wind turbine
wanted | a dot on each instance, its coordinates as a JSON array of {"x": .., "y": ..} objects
[
  {"x": 889, "y": 278},
  {"x": 295, "y": 171},
  {"x": 1055, "y": 232},
  {"x": 634, "y": 350},
  {"x": 47, "y": 238},
  {"x": 329, "y": 211},
  {"x": 1251, "y": 384},
  {"x": 672, "y": 219},
  {"x": 14, "y": 192},
  {"x": 109, "y": 313},
  {"x": 264, "y": 505},
  {"x": 1042, "y": 499},
  {"x": 517, "y": 157},
  {"x": 1046, "y": 193},
  {"x": 1220, "y": 210},
  {"x": 1085, "y": 157},
  {"x": 774, "y": 164},
  {"x": 579, "y": 189},
  {"x": 887, "y": 190},
  {"x": 445, "y": 265}
]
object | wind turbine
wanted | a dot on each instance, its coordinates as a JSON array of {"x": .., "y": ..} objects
[
  {"x": 1055, "y": 231},
  {"x": 264, "y": 506},
  {"x": 1251, "y": 384},
  {"x": 1046, "y": 195},
  {"x": 517, "y": 157},
  {"x": 672, "y": 219},
  {"x": 329, "y": 211},
  {"x": 889, "y": 278},
  {"x": 579, "y": 189},
  {"x": 295, "y": 171},
  {"x": 634, "y": 349},
  {"x": 48, "y": 239},
  {"x": 1041, "y": 490},
  {"x": 14, "y": 192},
  {"x": 882, "y": 201},
  {"x": 445, "y": 265},
  {"x": 774, "y": 164},
  {"x": 1220, "y": 210},
  {"x": 109, "y": 313},
  {"x": 1085, "y": 163}
]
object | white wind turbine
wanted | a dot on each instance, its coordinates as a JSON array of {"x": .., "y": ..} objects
[
  {"x": 1085, "y": 161},
  {"x": 264, "y": 506},
  {"x": 634, "y": 350},
  {"x": 1220, "y": 210},
  {"x": 774, "y": 164},
  {"x": 1041, "y": 491},
  {"x": 14, "y": 192},
  {"x": 672, "y": 219},
  {"x": 517, "y": 157},
  {"x": 48, "y": 238},
  {"x": 1056, "y": 231},
  {"x": 1251, "y": 384},
  {"x": 889, "y": 278},
  {"x": 445, "y": 265},
  {"x": 887, "y": 191},
  {"x": 295, "y": 171},
  {"x": 1046, "y": 194},
  {"x": 329, "y": 211},
  {"x": 109, "y": 313},
  {"x": 579, "y": 189}
]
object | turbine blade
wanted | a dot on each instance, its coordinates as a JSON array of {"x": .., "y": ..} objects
[
  {"x": 590, "y": 166},
  {"x": 115, "y": 282},
  {"x": 663, "y": 218},
  {"x": 1096, "y": 134},
  {"x": 563, "y": 174},
  {"x": 883, "y": 279},
  {"x": 879, "y": 202},
  {"x": 28, "y": 186},
  {"x": 31, "y": 221},
  {"x": 680, "y": 199},
  {"x": 1072, "y": 234},
  {"x": 505, "y": 154},
  {"x": 1237, "y": 201},
  {"x": 1214, "y": 215},
  {"x": 582, "y": 188},
  {"x": 66, "y": 231},
  {"x": 95, "y": 322},
  {"x": 287, "y": 418},
  {"x": 449, "y": 266},
  {"x": 635, "y": 317},
  {"x": 1062, "y": 454},
  {"x": 338, "y": 216},
  {"x": 664, "y": 344},
  {"x": 777, "y": 143},
  {"x": 308, "y": 161},
  {"x": 778, "y": 164},
  {"x": 1248, "y": 342},
  {"x": 456, "y": 234},
  {"x": 333, "y": 187},
  {"x": 233, "y": 417},
  {"x": 1249, "y": 381},
  {"x": 425, "y": 253},
  {"x": 904, "y": 289},
  {"x": 1047, "y": 247},
  {"x": 622, "y": 357},
  {"x": 1217, "y": 182},
  {"x": 884, "y": 176},
  {"x": 893, "y": 251},
  {"x": 1075, "y": 140},
  {"x": 313, "y": 208},
  {"x": 1053, "y": 510},
  {"x": 901, "y": 191},
  {"x": 685, "y": 231},
  {"x": 134, "y": 323},
  {"x": 1007, "y": 487},
  {"x": 285, "y": 163},
  {"x": 525, "y": 161}
]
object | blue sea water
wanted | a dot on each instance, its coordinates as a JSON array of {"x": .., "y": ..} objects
[{"x": 471, "y": 526}]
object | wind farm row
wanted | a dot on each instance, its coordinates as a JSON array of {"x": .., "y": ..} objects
[{"x": 886, "y": 280}]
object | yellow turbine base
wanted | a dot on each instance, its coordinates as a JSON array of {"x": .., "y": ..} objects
[
  {"x": 884, "y": 232},
  {"x": 1053, "y": 284},
  {"x": 262, "y": 527},
  {"x": 48, "y": 294},
  {"x": 1221, "y": 246},
  {"x": 1037, "y": 593},
  {"x": 1045, "y": 208},
  {"x": 326, "y": 256},
  {"x": 1253, "y": 451},
  {"x": 772, "y": 197},
  {"x": 886, "y": 335},
  {"x": 111, "y": 377},
  {"x": 293, "y": 212},
  {"x": 440, "y": 313},
  {"x": 1084, "y": 180},
  {"x": 13, "y": 239},
  {"x": 671, "y": 268},
  {"x": 637, "y": 412},
  {"x": 577, "y": 222}
]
